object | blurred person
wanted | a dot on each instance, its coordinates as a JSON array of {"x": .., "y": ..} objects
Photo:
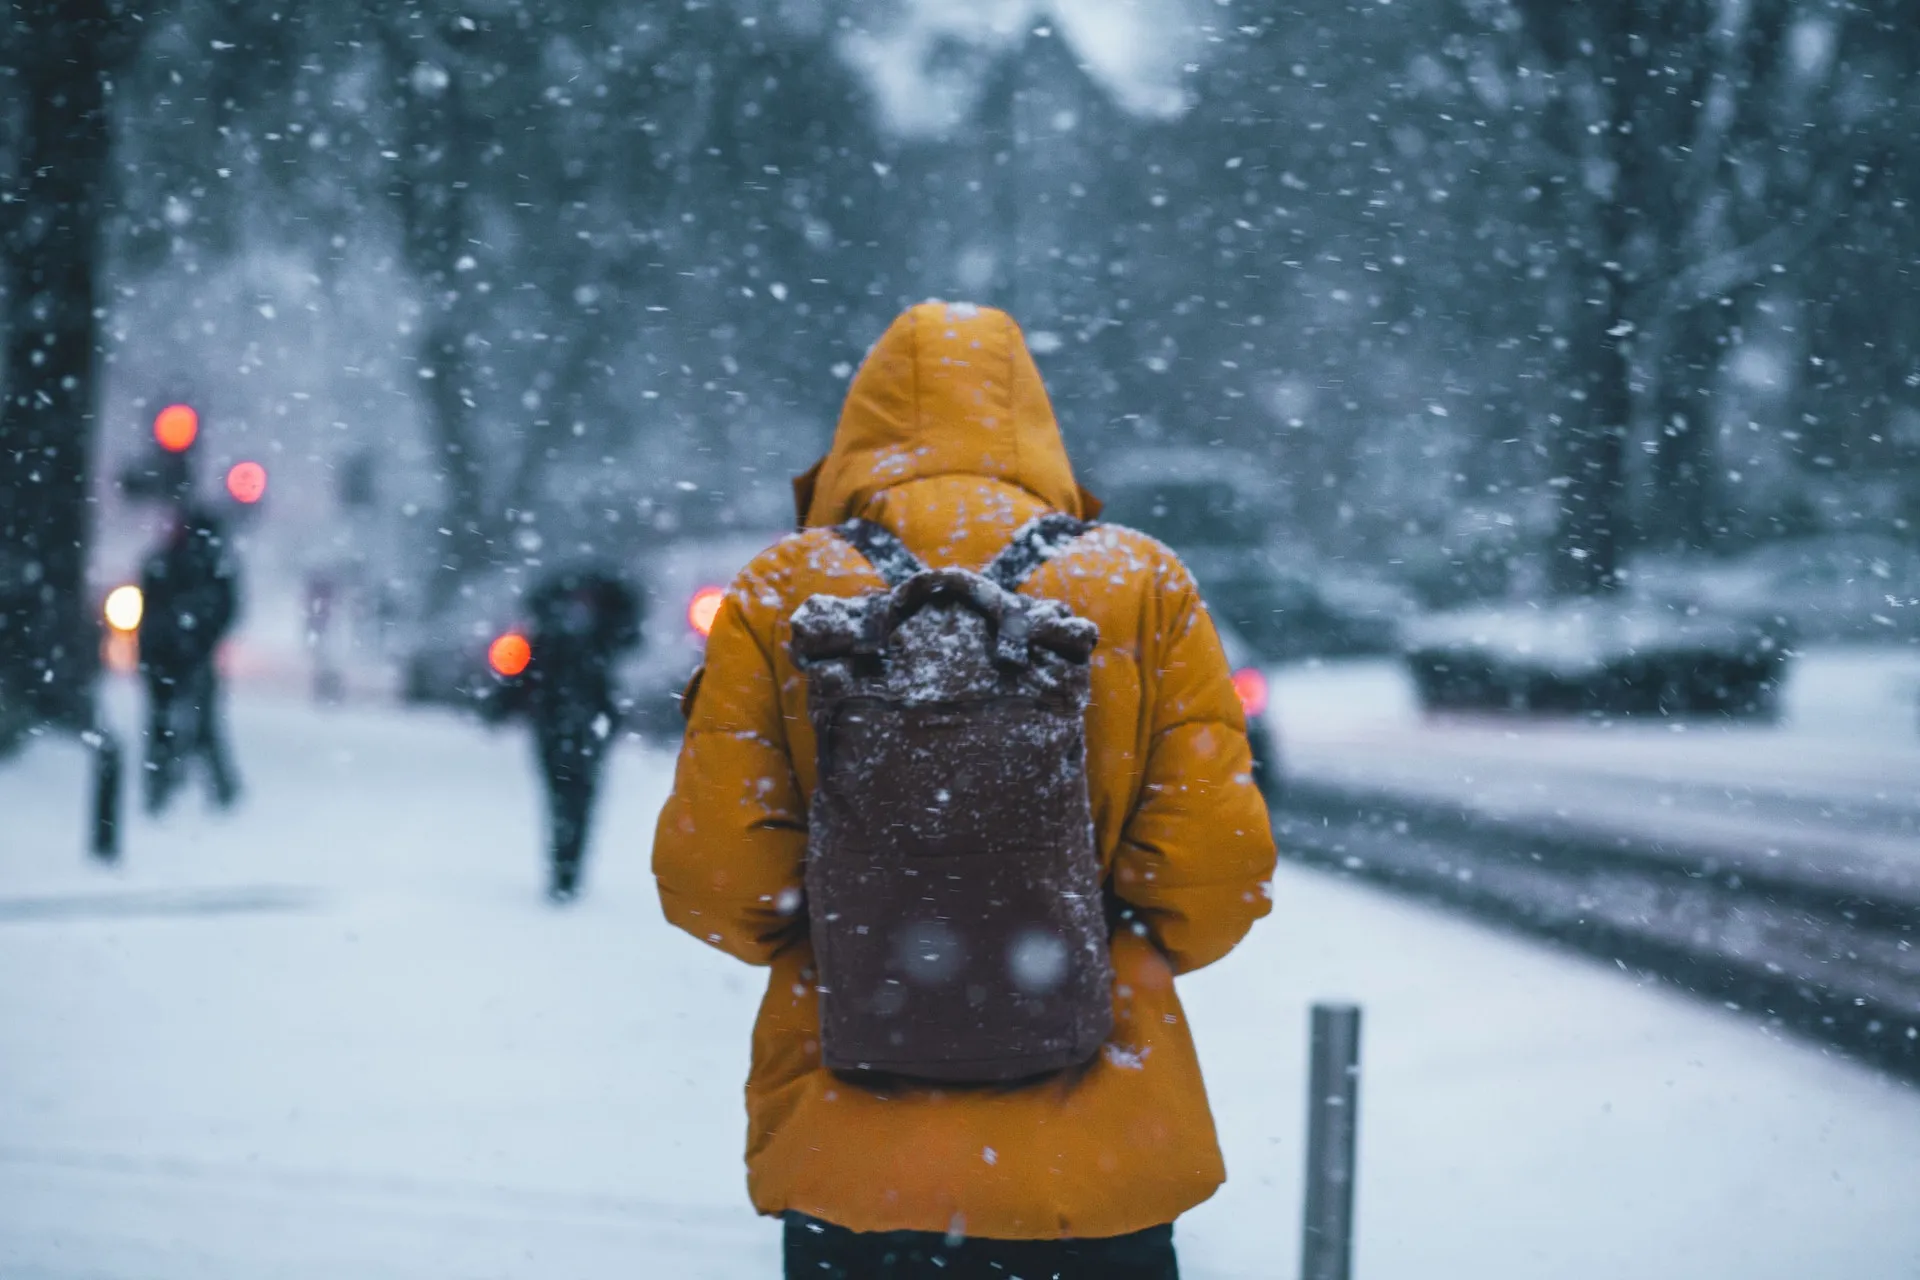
[
  {"x": 903, "y": 1120},
  {"x": 582, "y": 620},
  {"x": 190, "y": 586}
]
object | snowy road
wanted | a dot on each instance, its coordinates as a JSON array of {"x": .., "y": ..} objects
[
  {"x": 1776, "y": 866},
  {"x": 337, "y": 1033}
]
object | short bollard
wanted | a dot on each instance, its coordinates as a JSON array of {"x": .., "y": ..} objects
[
  {"x": 1333, "y": 1114},
  {"x": 105, "y": 842}
]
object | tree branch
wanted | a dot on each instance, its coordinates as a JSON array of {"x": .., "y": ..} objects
[{"x": 1713, "y": 277}]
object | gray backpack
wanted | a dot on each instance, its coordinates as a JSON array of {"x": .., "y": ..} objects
[{"x": 953, "y": 883}]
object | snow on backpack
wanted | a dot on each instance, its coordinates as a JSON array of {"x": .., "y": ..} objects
[{"x": 953, "y": 883}]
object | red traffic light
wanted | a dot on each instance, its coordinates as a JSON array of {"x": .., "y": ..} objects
[
  {"x": 510, "y": 654},
  {"x": 247, "y": 482},
  {"x": 175, "y": 427}
]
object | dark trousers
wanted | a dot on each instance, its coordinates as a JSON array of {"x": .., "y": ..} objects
[
  {"x": 570, "y": 758},
  {"x": 817, "y": 1250},
  {"x": 183, "y": 723}
]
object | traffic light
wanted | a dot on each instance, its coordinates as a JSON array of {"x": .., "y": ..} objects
[
  {"x": 176, "y": 427},
  {"x": 164, "y": 472},
  {"x": 247, "y": 482},
  {"x": 510, "y": 654}
]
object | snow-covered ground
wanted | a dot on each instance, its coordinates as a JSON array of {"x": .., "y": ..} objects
[{"x": 337, "y": 1033}]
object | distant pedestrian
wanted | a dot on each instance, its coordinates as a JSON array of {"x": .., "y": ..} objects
[
  {"x": 583, "y": 620},
  {"x": 190, "y": 586},
  {"x": 969, "y": 773}
]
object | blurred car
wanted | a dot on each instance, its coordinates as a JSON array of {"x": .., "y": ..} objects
[
  {"x": 1365, "y": 615},
  {"x": 1256, "y": 700},
  {"x": 1617, "y": 656},
  {"x": 684, "y": 582},
  {"x": 1831, "y": 587},
  {"x": 1214, "y": 508},
  {"x": 443, "y": 661},
  {"x": 447, "y": 663}
]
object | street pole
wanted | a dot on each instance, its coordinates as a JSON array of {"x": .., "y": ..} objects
[{"x": 1333, "y": 1115}]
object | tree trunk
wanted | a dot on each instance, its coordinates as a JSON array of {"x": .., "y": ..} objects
[
  {"x": 48, "y": 645},
  {"x": 1622, "y": 185},
  {"x": 1593, "y": 448},
  {"x": 1680, "y": 516},
  {"x": 435, "y": 189},
  {"x": 1586, "y": 554}
]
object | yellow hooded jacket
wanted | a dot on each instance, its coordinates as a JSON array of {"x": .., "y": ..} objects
[{"x": 948, "y": 440}]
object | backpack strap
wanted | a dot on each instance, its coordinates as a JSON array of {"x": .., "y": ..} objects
[
  {"x": 884, "y": 551},
  {"x": 1037, "y": 541}
]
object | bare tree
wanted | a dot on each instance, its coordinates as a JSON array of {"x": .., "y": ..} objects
[
  {"x": 64, "y": 53},
  {"x": 1694, "y": 149}
]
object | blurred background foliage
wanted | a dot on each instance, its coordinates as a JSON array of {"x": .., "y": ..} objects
[{"x": 1552, "y": 283}]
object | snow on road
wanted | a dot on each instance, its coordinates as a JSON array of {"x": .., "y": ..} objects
[{"x": 338, "y": 1033}]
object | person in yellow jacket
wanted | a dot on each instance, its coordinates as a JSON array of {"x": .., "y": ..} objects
[{"x": 949, "y": 442}]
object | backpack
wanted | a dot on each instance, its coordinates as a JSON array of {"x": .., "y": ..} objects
[{"x": 953, "y": 883}]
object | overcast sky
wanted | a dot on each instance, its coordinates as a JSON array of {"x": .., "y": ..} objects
[{"x": 1135, "y": 48}]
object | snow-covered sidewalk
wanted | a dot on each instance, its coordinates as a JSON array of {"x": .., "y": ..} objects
[{"x": 337, "y": 1033}]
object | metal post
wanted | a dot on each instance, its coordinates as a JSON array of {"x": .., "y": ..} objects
[
  {"x": 106, "y": 794},
  {"x": 1333, "y": 1115}
]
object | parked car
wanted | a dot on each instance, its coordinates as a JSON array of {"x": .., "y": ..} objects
[
  {"x": 443, "y": 661},
  {"x": 1256, "y": 700},
  {"x": 1618, "y": 656},
  {"x": 1365, "y": 614},
  {"x": 684, "y": 581},
  {"x": 1831, "y": 587},
  {"x": 1213, "y": 508}
]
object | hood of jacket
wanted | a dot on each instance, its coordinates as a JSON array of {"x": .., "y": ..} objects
[{"x": 950, "y": 389}]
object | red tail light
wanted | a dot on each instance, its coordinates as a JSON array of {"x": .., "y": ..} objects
[
  {"x": 510, "y": 654},
  {"x": 1252, "y": 688},
  {"x": 704, "y": 608}
]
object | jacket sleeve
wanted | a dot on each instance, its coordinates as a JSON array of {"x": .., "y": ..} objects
[
  {"x": 731, "y": 843},
  {"x": 1196, "y": 857}
]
